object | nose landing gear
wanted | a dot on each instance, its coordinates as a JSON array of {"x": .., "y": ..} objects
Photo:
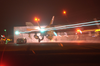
[{"x": 37, "y": 37}]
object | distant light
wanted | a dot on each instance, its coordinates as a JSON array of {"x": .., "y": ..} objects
[
  {"x": 5, "y": 30},
  {"x": 64, "y": 12},
  {"x": 36, "y": 19},
  {"x": 17, "y": 32}
]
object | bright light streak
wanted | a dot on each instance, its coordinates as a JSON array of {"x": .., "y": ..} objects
[
  {"x": 57, "y": 28},
  {"x": 81, "y": 32},
  {"x": 68, "y": 26},
  {"x": 80, "y": 23},
  {"x": 77, "y": 25},
  {"x": 55, "y": 33},
  {"x": 83, "y": 23}
]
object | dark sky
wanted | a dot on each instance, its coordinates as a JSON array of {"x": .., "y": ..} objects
[{"x": 17, "y": 12}]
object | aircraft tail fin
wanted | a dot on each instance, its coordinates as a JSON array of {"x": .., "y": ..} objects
[{"x": 51, "y": 21}]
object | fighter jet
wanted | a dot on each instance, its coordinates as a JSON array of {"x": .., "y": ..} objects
[
  {"x": 42, "y": 31},
  {"x": 49, "y": 31}
]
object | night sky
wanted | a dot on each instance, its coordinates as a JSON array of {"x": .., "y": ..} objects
[{"x": 16, "y": 13}]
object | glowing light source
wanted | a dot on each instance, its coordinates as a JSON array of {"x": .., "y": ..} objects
[
  {"x": 68, "y": 26},
  {"x": 36, "y": 19},
  {"x": 78, "y": 30},
  {"x": 42, "y": 30},
  {"x": 64, "y": 12},
  {"x": 97, "y": 30},
  {"x": 17, "y": 32},
  {"x": 5, "y": 30}
]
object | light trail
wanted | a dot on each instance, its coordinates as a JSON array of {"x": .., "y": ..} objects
[
  {"x": 81, "y": 23},
  {"x": 57, "y": 28},
  {"x": 67, "y": 26}
]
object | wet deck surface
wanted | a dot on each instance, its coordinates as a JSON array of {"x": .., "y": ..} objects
[{"x": 50, "y": 54}]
